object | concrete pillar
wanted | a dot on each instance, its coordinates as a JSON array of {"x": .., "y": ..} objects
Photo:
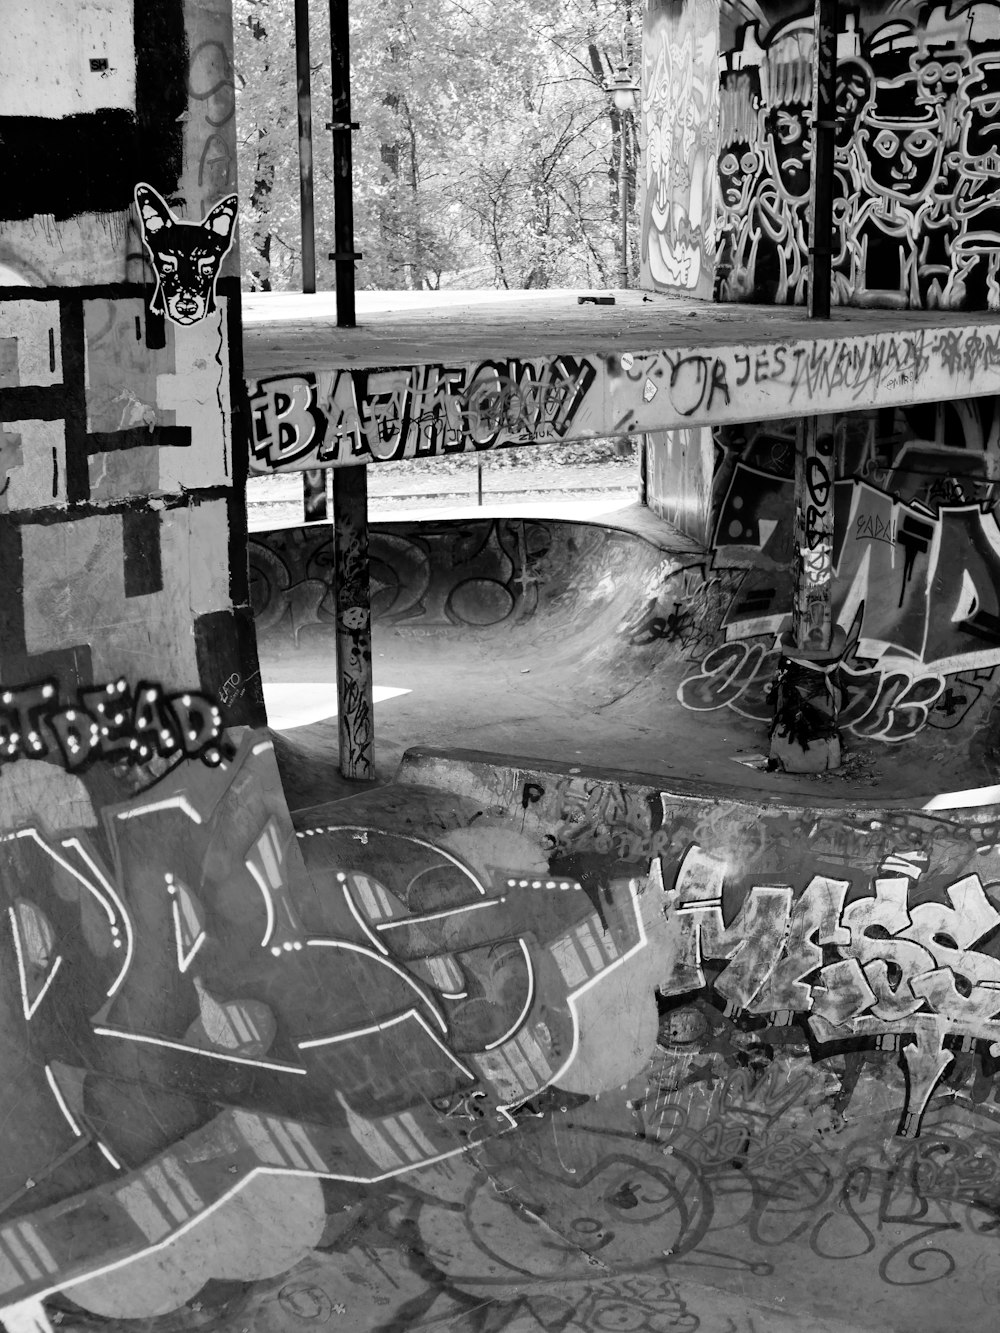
[
  {"x": 678, "y": 137},
  {"x": 678, "y": 472},
  {"x": 123, "y": 516}
]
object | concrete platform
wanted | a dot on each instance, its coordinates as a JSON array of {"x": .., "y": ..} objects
[
  {"x": 455, "y": 372},
  {"x": 509, "y": 1046}
]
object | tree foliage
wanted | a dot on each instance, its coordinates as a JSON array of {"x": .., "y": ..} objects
[{"x": 489, "y": 147}]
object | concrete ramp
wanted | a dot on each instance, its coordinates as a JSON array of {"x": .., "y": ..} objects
[{"x": 499, "y": 1046}]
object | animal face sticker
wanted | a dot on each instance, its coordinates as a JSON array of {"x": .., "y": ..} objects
[{"x": 186, "y": 256}]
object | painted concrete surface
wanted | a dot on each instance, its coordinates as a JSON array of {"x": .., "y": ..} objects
[
  {"x": 593, "y": 643},
  {"x": 437, "y": 379},
  {"x": 500, "y": 1046}
]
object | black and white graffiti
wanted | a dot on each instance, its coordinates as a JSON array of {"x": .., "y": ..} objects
[
  {"x": 186, "y": 256},
  {"x": 916, "y": 216}
]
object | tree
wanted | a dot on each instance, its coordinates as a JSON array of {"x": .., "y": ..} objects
[{"x": 487, "y": 146}]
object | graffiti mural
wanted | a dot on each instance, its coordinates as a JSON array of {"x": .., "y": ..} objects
[
  {"x": 347, "y": 416},
  {"x": 914, "y": 560},
  {"x": 717, "y": 386},
  {"x": 108, "y": 722},
  {"x": 680, "y": 109},
  {"x": 915, "y": 179},
  {"x": 476, "y": 574},
  {"x": 341, "y": 1001},
  {"x": 898, "y": 966}
]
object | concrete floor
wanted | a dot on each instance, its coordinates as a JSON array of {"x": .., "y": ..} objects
[{"x": 572, "y": 676}]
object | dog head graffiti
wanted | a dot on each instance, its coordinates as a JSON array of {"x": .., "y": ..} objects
[{"x": 186, "y": 256}]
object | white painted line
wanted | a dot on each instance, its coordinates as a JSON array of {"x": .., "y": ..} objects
[
  {"x": 301, "y": 703},
  {"x": 955, "y": 800}
]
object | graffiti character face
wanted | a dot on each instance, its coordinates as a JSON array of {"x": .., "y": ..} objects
[
  {"x": 854, "y": 86},
  {"x": 938, "y": 80},
  {"x": 790, "y": 142},
  {"x": 739, "y": 167},
  {"x": 981, "y": 138},
  {"x": 903, "y": 158}
]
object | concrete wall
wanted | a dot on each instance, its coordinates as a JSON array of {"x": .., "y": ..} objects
[
  {"x": 915, "y": 178},
  {"x": 678, "y": 140},
  {"x": 916, "y": 566},
  {"x": 121, "y": 513},
  {"x": 126, "y": 642},
  {"x": 679, "y": 465},
  {"x": 727, "y": 163}
]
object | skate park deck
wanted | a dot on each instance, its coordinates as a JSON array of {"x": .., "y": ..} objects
[
  {"x": 288, "y": 331},
  {"x": 435, "y": 372}
]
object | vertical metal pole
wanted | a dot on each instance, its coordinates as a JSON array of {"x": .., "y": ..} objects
[
  {"x": 313, "y": 480},
  {"x": 814, "y": 461},
  {"x": 824, "y": 142},
  {"x": 305, "y": 146},
  {"x": 814, "y": 478},
  {"x": 355, "y": 714},
  {"x": 807, "y": 672},
  {"x": 623, "y": 199},
  {"x": 356, "y": 725},
  {"x": 341, "y": 127},
  {"x": 314, "y": 508}
]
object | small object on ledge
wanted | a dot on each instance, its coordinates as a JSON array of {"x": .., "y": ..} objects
[
  {"x": 806, "y": 696},
  {"x": 595, "y": 300}
]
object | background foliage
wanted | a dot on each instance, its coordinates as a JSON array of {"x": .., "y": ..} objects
[{"x": 488, "y": 151}]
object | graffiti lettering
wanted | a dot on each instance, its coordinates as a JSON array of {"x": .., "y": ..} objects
[
  {"x": 110, "y": 722},
  {"x": 881, "y": 964},
  {"x": 423, "y": 411}
]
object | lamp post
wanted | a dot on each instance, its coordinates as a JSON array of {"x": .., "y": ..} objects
[{"x": 623, "y": 89}]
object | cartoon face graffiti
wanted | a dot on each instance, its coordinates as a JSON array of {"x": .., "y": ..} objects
[
  {"x": 739, "y": 167},
  {"x": 789, "y": 140},
  {"x": 679, "y": 107},
  {"x": 903, "y": 157},
  {"x": 981, "y": 136},
  {"x": 854, "y": 87},
  {"x": 186, "y": 256}
]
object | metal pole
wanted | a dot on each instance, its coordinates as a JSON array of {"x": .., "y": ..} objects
[
  {"x": 342, "y": 127},
  {"x": 355, "y": 712},
  {"x": 814, "y": 477},
  {"x": 814, "y": 456},
  {"x": 824, "y": 143},
  {"x": 804, "y": 736},
  {"x": 355, "y": 718},
  {"x": 623, "y": 199},
  {"x": 314, "y": 479},
  {"x": 305, "y": 146}
]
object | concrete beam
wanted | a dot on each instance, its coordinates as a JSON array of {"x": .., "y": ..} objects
[{"x": 444, "y": 377}]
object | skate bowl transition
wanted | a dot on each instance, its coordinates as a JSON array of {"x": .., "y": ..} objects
[
  {"x": 529, "y": 1043},
  {"x": 538, "y": 1033}
]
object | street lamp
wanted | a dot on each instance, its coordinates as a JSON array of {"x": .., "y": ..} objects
[{"x": 624, "y": 92}]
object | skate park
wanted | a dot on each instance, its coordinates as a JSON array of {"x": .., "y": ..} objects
[{"x": 519, "y": 991}]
